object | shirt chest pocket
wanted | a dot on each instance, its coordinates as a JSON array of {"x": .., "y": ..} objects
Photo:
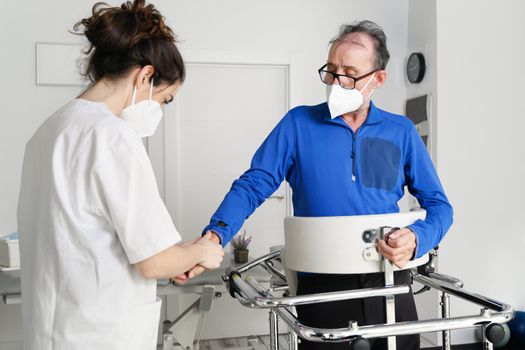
[{"x": 379, "y": 163}]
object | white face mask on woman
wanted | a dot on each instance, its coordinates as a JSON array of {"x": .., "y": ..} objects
[
  {"x": 144, "y": 115},
  {"x": 342, "y": 101}
]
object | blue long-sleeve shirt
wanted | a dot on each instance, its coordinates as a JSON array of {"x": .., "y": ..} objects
[{"x": 334, "y": 171}]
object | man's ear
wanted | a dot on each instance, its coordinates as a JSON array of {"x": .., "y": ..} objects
[{"x": 380, "y": 78}]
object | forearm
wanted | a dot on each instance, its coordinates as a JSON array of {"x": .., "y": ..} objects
[
  {"x": 268, "y": 168},
  {"x": 423, "y": 182},
  {"x": 171, "y": 262},
  {"x": 245, "y": 196},
  {"x": 431, "y": 231}
]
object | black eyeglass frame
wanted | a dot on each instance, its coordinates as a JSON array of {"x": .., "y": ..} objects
[{"x": 336, "y": 76}]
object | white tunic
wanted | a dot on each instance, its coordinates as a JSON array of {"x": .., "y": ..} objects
[{"x": 89, "y": 209}]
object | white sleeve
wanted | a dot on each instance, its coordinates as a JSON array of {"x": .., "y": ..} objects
[{"x": 128, "y": 196}]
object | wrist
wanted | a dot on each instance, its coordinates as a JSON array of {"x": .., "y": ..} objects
[
  {"x": 197, "y": 253},
  {"x": 220, "y": 230},
  {"x": 215, "y": 237}
]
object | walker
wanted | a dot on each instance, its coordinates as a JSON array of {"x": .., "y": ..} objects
[{"x": 346, "y": 245}]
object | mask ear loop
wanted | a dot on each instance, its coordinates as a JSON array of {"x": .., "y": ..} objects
[
  {"x": 133, "y": 96},
  {"x": 369, "y": 80},
  {"x": 364, "y": 87},
  {"x": 151, "y": 89}
]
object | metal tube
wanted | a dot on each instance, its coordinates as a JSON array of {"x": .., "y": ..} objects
[
  {"x": 257, "y": 286},
  {"x": 270, "y": 268},
  {"x": 331, "y": 296},
  {"x": 272, "y": 302},
  {"x": 461, "y": 293},
  {"x": 487, "y": 345},
  {"x": 292, "y": 340},
  {"x": 243, "y": 300},
  {"x": 384, "y": 330},
  {"x": 251, "y": 264},
  {"x": 390, "y": 305},
  {"x": 279, "y": 288},
  {"x": 274, "y": 330},
  {"x": 445, "y": 313},
  {"x": 247, "y": 291},
  {"x": 446, "y": 278}
]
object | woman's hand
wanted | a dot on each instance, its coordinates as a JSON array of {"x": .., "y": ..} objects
[{"x": 213, "y": 241}]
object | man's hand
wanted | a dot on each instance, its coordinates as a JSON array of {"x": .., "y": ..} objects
[
  {"x": 213, "y": 253},
  {"x": 398, "y": 247},
  {"x": 214, "y": 237},
  {"x": 198, "y": 269}
]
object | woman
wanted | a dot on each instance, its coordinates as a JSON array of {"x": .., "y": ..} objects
[{"x": 95, "y": 234}]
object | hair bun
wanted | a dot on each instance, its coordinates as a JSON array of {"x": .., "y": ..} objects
[
  {"x": 116, "y": 29},
  {"x": 150, "y": 23},
  {"x": 126, "y": 37}
]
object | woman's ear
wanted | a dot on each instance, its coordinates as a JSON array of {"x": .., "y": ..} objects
[{"x": 144, "y": 76}]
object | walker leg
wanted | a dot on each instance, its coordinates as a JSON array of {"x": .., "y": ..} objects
[
  {"x": 445, "y": 313},
  {"x": 487, "y": 345},
  {"x": 390, "y": 302},
  {"x": 389, "y": 299},
  {"x": 292, "y": 340},
  {"x": 274, "y": 331},
  {"x": 167, "y": 342}
]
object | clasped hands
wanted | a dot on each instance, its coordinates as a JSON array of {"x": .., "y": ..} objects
[
  {"x": 398, "y": 246},
  {"x": 197, "y": 269}
]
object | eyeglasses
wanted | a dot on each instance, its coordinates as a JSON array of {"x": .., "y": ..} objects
[{"x": 346, "y": 81}]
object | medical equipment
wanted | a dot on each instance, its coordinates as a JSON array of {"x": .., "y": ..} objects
[
  {"x": 9, "y": 252},
  {"x": 10, "y": 286},
  {"x": 10, "y": 269},
  {"x": 184, "y": 331},
  {"x": 347, "y": 245}
]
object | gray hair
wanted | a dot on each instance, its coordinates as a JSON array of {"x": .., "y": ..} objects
[{"x": 375, "y": 32}]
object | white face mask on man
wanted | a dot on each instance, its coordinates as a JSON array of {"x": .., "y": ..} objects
[
  {"x": 144, "y": 115},
  {"x": 342, "y": 101}
]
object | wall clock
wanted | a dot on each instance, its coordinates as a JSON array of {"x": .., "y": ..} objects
[{"x": 415, "y": 67}]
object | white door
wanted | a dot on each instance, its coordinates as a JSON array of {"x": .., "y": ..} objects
[{"x": 223, "y": 112}]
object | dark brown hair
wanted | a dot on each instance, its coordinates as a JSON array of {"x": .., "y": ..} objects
[{"x": 132, "y": 35}]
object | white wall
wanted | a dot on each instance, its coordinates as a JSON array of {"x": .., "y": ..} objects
[
  {"x": 422, "y": 38},
  {"x": 480, "y": 50},
  {"x": 301, "y": 28},
  {"x": 292, "y": 26}
]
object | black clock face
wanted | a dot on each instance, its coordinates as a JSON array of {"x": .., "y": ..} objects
[{"x": 416, "y": 67}]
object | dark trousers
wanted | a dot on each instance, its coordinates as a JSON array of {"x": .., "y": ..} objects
[{"x": 367, "y": 311}]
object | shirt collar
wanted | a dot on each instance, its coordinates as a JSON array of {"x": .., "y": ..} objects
[{"x": 374, "y": 115}]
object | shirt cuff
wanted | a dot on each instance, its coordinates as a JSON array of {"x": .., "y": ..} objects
[{"x": 218, "y": 231}]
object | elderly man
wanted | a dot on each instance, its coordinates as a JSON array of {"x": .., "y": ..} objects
[{"x": 346, "y": 157}]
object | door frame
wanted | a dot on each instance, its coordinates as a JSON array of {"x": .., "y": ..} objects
[{"x": 161, "y": 149}]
